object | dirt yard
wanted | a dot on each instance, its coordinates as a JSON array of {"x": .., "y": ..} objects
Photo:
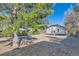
[
  {"x": 56, "y": 46},
  {"x": 40, "y": 37}
]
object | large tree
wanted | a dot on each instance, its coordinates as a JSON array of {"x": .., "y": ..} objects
[
  {"x": 72, "y": 20},
  {"x": 25, "y": 16}
]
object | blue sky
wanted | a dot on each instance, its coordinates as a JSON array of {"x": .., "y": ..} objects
[{"x": 58, "y": 16}]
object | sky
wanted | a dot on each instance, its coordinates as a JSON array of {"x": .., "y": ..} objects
[{"x": 58, "y": 16}]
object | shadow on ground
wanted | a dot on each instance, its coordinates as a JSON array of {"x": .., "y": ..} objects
[{"x": 66, "y": 47}]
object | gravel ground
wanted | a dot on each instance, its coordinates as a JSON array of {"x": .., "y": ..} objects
[{"x": 66, "y": 47}]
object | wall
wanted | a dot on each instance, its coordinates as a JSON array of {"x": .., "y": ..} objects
[{"x": 56, "y": 30}]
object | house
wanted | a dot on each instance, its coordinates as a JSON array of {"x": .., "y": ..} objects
[{"x": 56, "y": 29}]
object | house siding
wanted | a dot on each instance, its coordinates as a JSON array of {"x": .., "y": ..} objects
[{"x": 56, "y": 30}]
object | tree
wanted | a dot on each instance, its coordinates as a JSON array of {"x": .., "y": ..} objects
[
  {"x": 72, "y": 20},
  {"x": 3, "y": 22},
  {"x": 26, "y": 16},
  {"x": 31, "y": 14}
]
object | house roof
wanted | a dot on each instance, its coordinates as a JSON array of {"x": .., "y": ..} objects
[{"x": 56, "y": 25}]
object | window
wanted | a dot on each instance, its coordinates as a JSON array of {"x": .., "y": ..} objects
[{"x": 57, "y": 30}]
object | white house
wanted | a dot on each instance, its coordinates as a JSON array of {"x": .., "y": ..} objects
[{"x": 56, "y": 29}]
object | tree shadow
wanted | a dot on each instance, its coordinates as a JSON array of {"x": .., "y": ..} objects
[
  {"x": 67, "y": 47},
  {"x": 39, "y": 49},
  {"x": 77, "y": 34}
]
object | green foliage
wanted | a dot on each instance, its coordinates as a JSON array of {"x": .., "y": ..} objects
[{"x": 28, "y": 16}]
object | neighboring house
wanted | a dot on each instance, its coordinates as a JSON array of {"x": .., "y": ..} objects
[{"x": 56, "y": 29}]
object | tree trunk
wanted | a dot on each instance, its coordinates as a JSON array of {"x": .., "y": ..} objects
[
  {"x": 15, "y": 41},
  {"x": 14, "y": 17}
]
